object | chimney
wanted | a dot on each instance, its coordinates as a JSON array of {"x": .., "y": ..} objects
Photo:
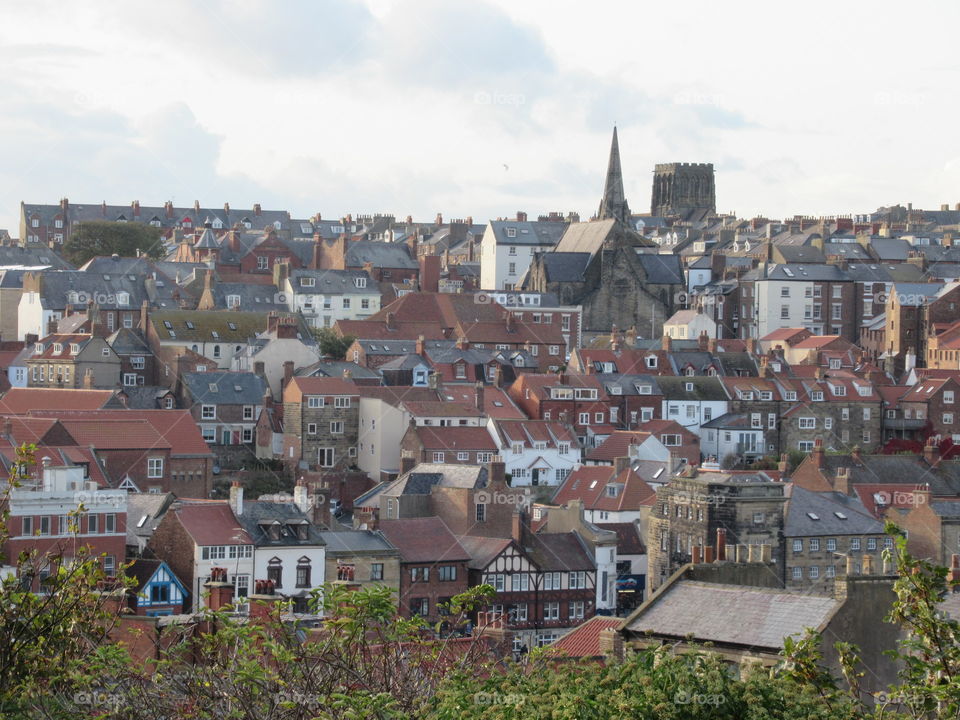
[
  {"x": 712, "y": 346},
  {"x": 496, "y": 473},
  {"x": 703, "y": 341},
  {"x": 708, "y": 554},
  {"x": 478, "y": 395},
  {"x": 516, "y": 526},
  {"x": 666, "y": 344},
  {"x": 751, "y": 344},
  {"x": 301, "y": 496},
  {"x": 8, "y": 428},
  {"x": 407, "y": 461},
  {"x": 510, "y": 321},
  {"x": 168, "y": 209},
  {"x": 784, "y": 463},
  {"x": 391, "y": 321},
  {"x": 953, "y": 578},
  {"x": 620, "y": 464},
  {"x": 264, "y": 600},
  {"x": 136, "y": 208},
  {"x": 721, "y": 544},
  {"x": 420, "y": 346},
  {"x": 347, "y": 374},
  {"x": 841, "y": 483},
  {"x": 817, "y": 453},
  {"x": 144, "y": 317},
  {"x": 855, "y": 456},
  {"x": 236, "y": 498},
  {"x": 287, "y": 373},
  {"x": 259, "y": 368},
  {"x": 695, "y": 555},
  {"x": 764, "y": 367},
  {"x": 220, "y": 592},
  {"x": 931, "y": 451},
  {"x": 52, "y": 325},
  {"x": 256, "y": 209},
  {"x": 88, "y": 379}
]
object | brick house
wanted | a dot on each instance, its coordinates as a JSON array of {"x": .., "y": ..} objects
[
  {"x": 433, "y": 565},
  {"x": 361, "y": 557},
  {"x": 225, "y": 405},
  {"x": 843, "y": 410},
  {"x": 934, "y": 401},
  {"x": 73, "y": 361},
  {"x": 681, "y": 442},
  {"x": 321, "y": 421},
  {"x": 821, "y": 530},
  {"x": 637, "y": 397},
  {"x": 578, "y": 400},
  {"x": 458, "y": 445},
  {"x": 137, "y": 364},
  {"x": 746, "y": 508}
]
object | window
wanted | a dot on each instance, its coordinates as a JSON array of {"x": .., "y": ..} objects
[
  {"x": 578, "y": 580},
  {"x": 871, "y": 543},
  {"x": 948, "y": 397},
  {"x": 497, "y": 581},
  {"x": 248, "y": 412},
  {"x": 576, "y": 609},
  {"x": 670, "y": 440},
  {"x": 758, "y": 518},
  {"x": 798, "y": 546},
  {"x": 551, "y": 611},
  {"x": 797, "y": 573},
  {"x": 854, "y": 543},
  {"x": 376, "y": 571},
  {"x": 275, "y": 572},
  {"x": 160, "y": 593},
  {"x": 311, "y": 428},
  {"x": 438, "y": 457},
  {"x": 866, "y": 413},
  {"x": 314, "y": 401},
  {"x": 263, "y": 263},
  {"x": 154, "y": 467},
  {"x": 807, "y": 423},
  {"x": 814, "y": 544},
  {"x": 831, "y": 544},
  {"x": 948, "y": 418},
  {"x": 828, "y": 423},
  {"x": 784, "y": 312},
  {"x": 420, "y": 606},
  {"x": 109, "y": 565},
  {"x": 303, "y": 573},
  {"x": 129, "y": 379},
  {"x": 481, "y": 512},
  {"x": 814, "y": 572},
  {"x": 137, "y": 362},
  {"x": 208, "y": 412},
  {"x": 785, "y": 291},
  {"x": 325, "y": 457},
  {"x": 447, "y": 573},
  {"x": 519, "y": 613},
  {"x": 519, "y": 582},
  {"x": 336, "y": 427}
]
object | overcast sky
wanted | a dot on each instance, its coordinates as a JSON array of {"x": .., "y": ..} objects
[{"x": 476, "y": 108}]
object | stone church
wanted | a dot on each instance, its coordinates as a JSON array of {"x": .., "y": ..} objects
[{"x": 605, "y": 266}]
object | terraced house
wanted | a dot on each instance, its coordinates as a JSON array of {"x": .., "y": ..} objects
[
  {"x": 321, "y": 422},
  {"x": 225, "y": 405},
  {"x": 843, "y": 410}
]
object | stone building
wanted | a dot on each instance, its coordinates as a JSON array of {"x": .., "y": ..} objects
[
  {"x": 746, "y": 508},
  {"x": 684, "y": 189}
]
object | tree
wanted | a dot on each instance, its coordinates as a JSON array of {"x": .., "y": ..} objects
[
  {"x": 98, "y": 237},
  {"x": 331, "y": 344}
]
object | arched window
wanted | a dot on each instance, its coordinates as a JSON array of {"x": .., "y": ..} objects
[
  {"x": 275, "y": 571},
  {"x": 303, "y": 572}
]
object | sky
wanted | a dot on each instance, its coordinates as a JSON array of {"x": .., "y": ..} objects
[{"x": 479, "y": 108}]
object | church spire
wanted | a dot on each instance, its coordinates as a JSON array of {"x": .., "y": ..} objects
[{"x": 613, "y": 205}]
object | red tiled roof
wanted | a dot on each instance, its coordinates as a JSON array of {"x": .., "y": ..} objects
[
  {"x": 467, "y": 394},
  {"x": 530, "y": 431},
  {"x": 115, "y": 434},
  {"x": 589, "y": 484},
  {"x": 618, "y": 444},
  {"x": 440, "y": 408},
  {"x": 784, "y": 333},
  {"x": 425, "y": 539},
  {"x": 176, "y": 427},
  {"x": 819, "y": 341},
  {"x": 212, "y": 523},
  {"x": 584, "y": 641},
  {"x": 21, "y": 401},
  {"x": 629, "y": 541},
  {"x": 519, "y": 332}
]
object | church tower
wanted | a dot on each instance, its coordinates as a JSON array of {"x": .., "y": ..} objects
[{"x": 613, "y": 205}]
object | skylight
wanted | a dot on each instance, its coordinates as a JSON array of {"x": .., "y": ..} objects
[
  {"x": 813, "y": 516},
  {"x": 142, "y": 521},
  {"x": 840, "y": 515}
]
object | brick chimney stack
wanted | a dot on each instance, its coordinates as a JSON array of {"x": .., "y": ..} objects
[
  {"x": 88, "y": 379},
  {"x": 703, "y": 341},
  {"x": 721, "y": 544},
  {"x": 407, "y": 461},
  {"x": 666, "y": 343},
  {"x": 496, "y": 473},
  {"x": 841, "y": 483},
  {"x": 817, "y": 453},
  {"x": 220, "y": 592},
  {"x": 931, "y": 451}
]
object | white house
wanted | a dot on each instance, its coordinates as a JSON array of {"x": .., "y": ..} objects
[
  {"x": 689, "y": 325},
  {"x": 692, "y": 401},
  {"x": 508, "y": 247},
  {"x": 536, "y": 452},
  {"x": 736, "y": 434},
  {"x": 325, "y": 296}
]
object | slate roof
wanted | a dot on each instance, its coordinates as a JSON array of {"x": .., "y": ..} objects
[
  {"x": 258, "y": 515},
  {"x": 946, "y": 509},
  {"x": 629, "y": 539},
  {"x": 379, "y": 255},
  {"x": 148, "y": 508},
  {"x": 890, "y": 248},
  {"x": 565, "y": 266},
  {"x": 791, "y": 271},
  {"x": 143, "y": 569},
  {"x": 333, "y": 282},
  {"x": 704, "y": 388},
  {"x": 546, "y": 233},
  {"x": 225, "y": 388},
  {"x": 253, "y": 298},
  {"x": 231, "y": 326},
  {"x": 855, "y": 520},
  {"x": 13, "y": 256},
  {"x": 126, "y": 341},
  {"x": 424, "y": 539},
  {"x": 560, "y": 551},
  {"x": 703, "y": 611},
  {"x": 876, "y": 469},
  {"x": 483, "y": 550},
  {"x": 347, "y": 542},
  {"x": 585, "y": 237},
  {"x": 662, "y": 269}
]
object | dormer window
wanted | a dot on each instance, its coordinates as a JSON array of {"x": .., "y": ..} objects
[
  {"x": 57, "y": 348},
  {"x": 361, "y": 282},
  {"x": 688, "y": 386},
  {"x": 817, "y": 396},
  {"x": 511, "y": 232},
  {"x": 74, "y": 348},
  {"x": 644, "y": 389},
  {"x": 308, "y": 282},
  {"x": 38, "y": 348},
  {"x": 651, "y": 361}
]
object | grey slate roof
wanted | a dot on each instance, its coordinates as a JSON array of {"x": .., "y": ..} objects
[
  {"x": 730, "y": 421},
  {"x": 732, "y": 614},
  {"x": 704, "y": 388},
  {"x": 335, "y": 368},
  {"x": 258, "y": 515},
  {"x": 333, "y": 282},
  {"x": 791, "y": 271},
  {"x": 662, "y": 269},
  {"x": 144, "y": 397},
  {"x": 565, "y": 266},
  {"x": 345, "y": 542},
  {"x": 16, "y": 256},
  {"x": 127, "y": 341},
  {"x": 545, "y": 233},
  {"x": 801, "y": 254},
  {"x": 946, "y": 509},
  {"x": 628, "y": 383},
  {"x": 253, "y": 298},
  {"x": 856, "y": 519},
  {"x": 401, "y": 347},
  {"x": 58, "y": 289},
  {"x": 232, "y": 388},
  {"x": 380, "y": 255},
  {"x": 890, "y": 248}
]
